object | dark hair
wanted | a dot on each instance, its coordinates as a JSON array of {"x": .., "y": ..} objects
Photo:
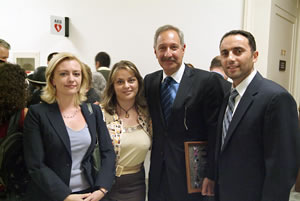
[
  {"x": 215, "y": 62},
  {"x": 50, "y": 56},
  {"x": 13, "y": 90},
  {"x": 103, "y": 58},
  {"x": 246, "y": 34},
  {"x": 110, "y": 101}
]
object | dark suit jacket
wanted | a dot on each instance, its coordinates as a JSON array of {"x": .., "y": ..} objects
[
  {"x": 193, "y": 117},
  {"x": 48, "y": 152},
  {"x": 258, "y": 161},
  {"x": 224, "y": 83}
]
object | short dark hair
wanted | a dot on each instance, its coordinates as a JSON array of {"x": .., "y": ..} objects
[
  {"x": 50, "y": 56},
  {"x": 215, "y": 62},
  {"x": 103, "y": 58},
  {"x": 246, "y": 34}
]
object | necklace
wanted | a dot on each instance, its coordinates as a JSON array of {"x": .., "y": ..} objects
[
  {"x": 72, "y": 115},
  {"x": 126, "y": 111}
]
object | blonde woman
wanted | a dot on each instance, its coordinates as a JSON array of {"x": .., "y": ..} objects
[
  {"x": 60, "y": 136},
  {"x": 128, "y": 121}
]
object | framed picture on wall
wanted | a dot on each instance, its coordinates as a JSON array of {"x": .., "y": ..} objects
[
  {"x": 195, "y": 160},
  {"x": 27, "y": 60}
]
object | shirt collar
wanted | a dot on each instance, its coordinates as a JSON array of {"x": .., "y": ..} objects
[
  {"x": 177, "y": 76},
  {"x": 241, "y": 88}
]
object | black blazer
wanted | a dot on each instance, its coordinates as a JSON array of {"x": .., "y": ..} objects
[
  {"x": 260, "y": 155},
  {"x": 193, "y": 117},
  {"x": 224, "y": 83},
  {"x": 48, "y": 153}
]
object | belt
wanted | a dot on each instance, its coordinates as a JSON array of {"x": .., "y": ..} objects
[{"x": 121, "y": 170}]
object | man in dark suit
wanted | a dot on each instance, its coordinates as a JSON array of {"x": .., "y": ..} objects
[
  {"x": 216, "y": 67},
  {"x": 191, "y": 117},
  {"x": 258, "y": 134}
]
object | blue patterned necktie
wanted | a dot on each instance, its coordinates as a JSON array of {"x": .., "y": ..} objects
[
  {"x": 168, "y": 94},
  {"x": 228, "y": 113}
]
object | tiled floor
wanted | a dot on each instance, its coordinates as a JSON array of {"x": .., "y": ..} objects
[{"x": 295, "y": 196}]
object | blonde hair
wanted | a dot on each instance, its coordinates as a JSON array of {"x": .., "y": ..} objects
[
  {"x": 49, "y": 92},
  {"x": 109, "y": 102}
]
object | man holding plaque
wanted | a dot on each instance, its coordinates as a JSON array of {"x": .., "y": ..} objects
[{"x": 184, "y": 104}]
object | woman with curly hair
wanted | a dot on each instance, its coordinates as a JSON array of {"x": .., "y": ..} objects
[
  {"x": 13, "y": 99},
  {"x": 13, "y": 94}
]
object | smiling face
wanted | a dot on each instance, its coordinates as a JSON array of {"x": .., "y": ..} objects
[
  {"x": 169, "y": 51},
  {"x": 237, "y": 58},
  {"x": 125, "y": 85},
  {"x": 67, "y": 78}
]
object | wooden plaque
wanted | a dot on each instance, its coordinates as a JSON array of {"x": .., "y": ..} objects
[{"x": 195, "y": 160}]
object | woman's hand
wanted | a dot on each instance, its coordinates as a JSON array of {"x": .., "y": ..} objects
[
  {"x": 95, "y": 196},
  {"x": 77, "y": 197}
]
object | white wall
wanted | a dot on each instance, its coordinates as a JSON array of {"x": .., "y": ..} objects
[
  {"x": 257, "y": 21},
  {"x": 123, "y": 28}
]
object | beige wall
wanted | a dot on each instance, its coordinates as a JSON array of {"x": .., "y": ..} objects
[{"x": 275, "y": 24}]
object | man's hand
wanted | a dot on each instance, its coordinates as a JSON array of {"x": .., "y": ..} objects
[{"x": 208, "y": 187}]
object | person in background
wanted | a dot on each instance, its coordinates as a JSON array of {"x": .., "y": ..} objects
[
  {"x": 190, "y": 65},
  {"x": 128, "y": 121},
  {"x": 92, "y": 95},
  {"x": 4, "y": 50},
  {"x": 257, "y": 148},
  {"x": 216, "y": 67},
  {"x": 184, "y": 104},
  {"x": 60, "y": 135},
  {"x": 37, "y": 81},
  {"x": 13, "y": 100},
  {"x": 98, "y": 83},
  {"x": 50, "y": 56},
  {"x": 102, "y": 62}
]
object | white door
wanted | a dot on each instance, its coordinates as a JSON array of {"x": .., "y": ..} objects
[{"x": 282, "y": 44}]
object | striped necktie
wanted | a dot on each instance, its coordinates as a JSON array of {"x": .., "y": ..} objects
[
  {"x": 168, "y": 94},
  {"x": 228, "y": 113}
]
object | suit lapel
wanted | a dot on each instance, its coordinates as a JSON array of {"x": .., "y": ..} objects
[
  {"x": 183, "y": 91},
  {"x": 59, "y": 126},
  {"x": 156, "y": 95},
  {"x": 243, "y": 106},
  {"x": 220, "y": 122}
]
